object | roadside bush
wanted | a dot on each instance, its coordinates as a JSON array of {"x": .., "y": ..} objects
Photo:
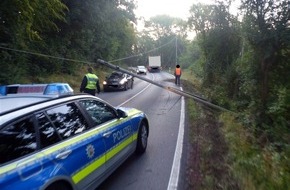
[{"x": 255, "y": 166}]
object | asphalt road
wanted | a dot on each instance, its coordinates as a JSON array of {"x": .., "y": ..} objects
[{"x": 152, "y": 170}]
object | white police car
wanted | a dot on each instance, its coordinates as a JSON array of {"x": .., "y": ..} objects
[{"x": 68, "y": 142}]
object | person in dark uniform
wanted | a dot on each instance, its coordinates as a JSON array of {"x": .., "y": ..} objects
[{"x": 90, "y": 83}]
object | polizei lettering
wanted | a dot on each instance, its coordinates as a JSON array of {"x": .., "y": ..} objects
[{"x": 123, "y": 133}]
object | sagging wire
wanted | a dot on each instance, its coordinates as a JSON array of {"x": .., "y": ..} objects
[
  {"x": 174, "y": 90},
  {"x": 67, "y": 59},
  {"x": 45, "y": 55},
  {"x": 141, "y": 54}
]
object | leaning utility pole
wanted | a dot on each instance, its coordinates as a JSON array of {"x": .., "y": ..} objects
[{"x": 174, "y": 90}]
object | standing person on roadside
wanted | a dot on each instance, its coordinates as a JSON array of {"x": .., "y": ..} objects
[
  {"x": 177, "y": 74},
  {"x": 90, "y": 83}
]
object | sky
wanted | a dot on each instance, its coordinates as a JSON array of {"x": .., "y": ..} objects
[{"x": 174, "y": 8}]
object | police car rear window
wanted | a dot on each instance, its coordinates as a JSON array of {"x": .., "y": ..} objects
[{"x": 17, "y": 140}]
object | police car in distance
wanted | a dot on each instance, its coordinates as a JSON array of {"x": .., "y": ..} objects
[{"x": 69, "y": 142}]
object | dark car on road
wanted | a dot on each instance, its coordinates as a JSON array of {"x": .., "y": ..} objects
[
  {"x": 118, "y": 81},
  {"x": 71, "y": 142}
]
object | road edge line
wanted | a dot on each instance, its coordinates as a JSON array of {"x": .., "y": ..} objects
[{"x": 175, "y": 170}]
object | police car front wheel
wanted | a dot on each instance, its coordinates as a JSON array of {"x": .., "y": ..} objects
[
  {"x": 59, "y": 186},
  {"x": 142, "y": 138}
]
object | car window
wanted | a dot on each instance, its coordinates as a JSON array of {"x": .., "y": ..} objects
[
  {"x": 47, "y": 132},
  {"x": 67, "y": 120},
  {"x": 17, "y": 139},
  {"x": 99, "y": 111}
]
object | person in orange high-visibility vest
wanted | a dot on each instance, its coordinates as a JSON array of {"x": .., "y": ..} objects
[
  {"x": 90, "y": 83},
  {"x": 177, "y": 74}
]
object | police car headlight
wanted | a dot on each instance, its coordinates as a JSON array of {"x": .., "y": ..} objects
[{"x": 105, "y": 82}]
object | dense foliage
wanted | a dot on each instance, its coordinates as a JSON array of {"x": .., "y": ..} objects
[
  {"x": 165, "y": 36},
  {"x": 244, "y": 66},
  {"x": 68, "y": 29}
]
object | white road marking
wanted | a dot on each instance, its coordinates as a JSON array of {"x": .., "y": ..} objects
[
  {"x": 135, "y": 95},
  {"x": 175, "y": 170}
]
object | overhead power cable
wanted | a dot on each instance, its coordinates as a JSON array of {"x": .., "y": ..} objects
[
  {"x": 44, "y": 55},
  {"x": 141, "y": 54},
  {"x": 102, "y": 62}
]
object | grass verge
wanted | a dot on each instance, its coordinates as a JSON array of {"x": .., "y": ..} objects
[
  {"x": 255, "y": 166},
  {"x": 207, "y": 163},
  {"x": 224, "y": 154}
]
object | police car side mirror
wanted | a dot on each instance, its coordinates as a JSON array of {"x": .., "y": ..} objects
[{"x": 121, "y": 114}]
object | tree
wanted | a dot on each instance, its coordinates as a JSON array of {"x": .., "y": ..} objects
[
  {"x": 219, "y": 38},
  {"x": 165, "y": 36},
  {"x": 70, "y": 29},
  {"x": 100, "y": 28},
  {"x": 22, "y": 23},
  {"x": 28, "y": 19},
  {"x": 267, "y": 30}
]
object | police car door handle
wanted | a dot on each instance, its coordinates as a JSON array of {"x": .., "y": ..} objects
[
  {"x": 63, "y": 155},
  {"x": 107, "y": 135}
]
